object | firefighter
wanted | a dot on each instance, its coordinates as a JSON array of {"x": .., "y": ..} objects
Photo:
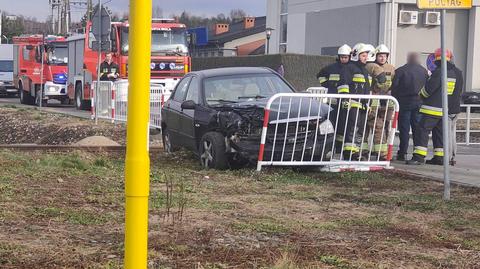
[
  {"x": 431, "y": 110},
  {"x": 354, "y": 110},
  {"x": 330, "y": 78},
  {"x": 454, "y": 99},
  {"x": 109, "y": 69},
  {"x": 381, "y": 112}
]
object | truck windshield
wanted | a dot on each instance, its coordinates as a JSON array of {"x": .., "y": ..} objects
[
  {"x": 171, "y": 42},
  {"x": 6, "y": 66},
  {"x": 57, "y": 55}
]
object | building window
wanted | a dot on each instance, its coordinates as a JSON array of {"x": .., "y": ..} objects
[{"x": 283, "y": 25}]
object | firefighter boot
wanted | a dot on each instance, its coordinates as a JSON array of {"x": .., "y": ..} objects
[
  {"x": 436, "y": 160},
  {"x": 416, "y": 160}
]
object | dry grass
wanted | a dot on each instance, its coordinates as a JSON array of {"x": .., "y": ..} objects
[{"x": 66, "y": 211}]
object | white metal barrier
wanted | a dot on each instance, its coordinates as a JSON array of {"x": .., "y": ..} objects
[
  {"x": 469, "y": 129},
  {"x": 103, "y": 106},
  {"x": 300, "y": 130},
  {"x": 110, "y": 101}
]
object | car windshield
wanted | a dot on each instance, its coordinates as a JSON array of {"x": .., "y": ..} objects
[
  {"x": 171, "y": 42},
  {"x": 57, "y": 55},
  {"x": 6, "y": 66},
  {"x": 240, "y": 88}
]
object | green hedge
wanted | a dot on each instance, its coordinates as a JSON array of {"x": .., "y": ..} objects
[{"x": 300, "y": 70}]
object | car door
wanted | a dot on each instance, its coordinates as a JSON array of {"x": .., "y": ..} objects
[
  {"x": 173, "y": 111},
  {"x": 187, "y": 124}
]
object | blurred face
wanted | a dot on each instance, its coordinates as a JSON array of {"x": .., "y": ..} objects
[
  {"x": 382, "y": 58},
  {"x": 344, "y": 58},
  {"x": 363, "y": 57},
  {"x": 108, "y": 57}
]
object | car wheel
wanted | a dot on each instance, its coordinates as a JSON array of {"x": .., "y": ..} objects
[
  {"x": 212, "y": 151},
  {"x": 167, "y": 142}
]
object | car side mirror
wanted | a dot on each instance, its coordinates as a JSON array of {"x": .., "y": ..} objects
[{"x": 189, "y": 104}]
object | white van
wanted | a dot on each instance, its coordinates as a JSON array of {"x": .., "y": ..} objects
[{"x": 6, "y": 70}]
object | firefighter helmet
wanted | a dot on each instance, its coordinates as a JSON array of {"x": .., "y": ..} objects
[
  {"x": 344, "y": 50},
  {"x": 371, "y": 53},
  {"x": 382, "y": 49},
  {"x": 438, "y": 54},
  {"x": 357, "y": 49}
]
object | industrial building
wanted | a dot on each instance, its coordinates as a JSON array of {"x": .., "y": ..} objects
[{"x": 318, "y": 27}]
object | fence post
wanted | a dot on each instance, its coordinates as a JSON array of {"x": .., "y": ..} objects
[
  {"x": 467, "y": 134},
  {"x": 92, "y": 106},
  {"x": 113, "y": 101}
]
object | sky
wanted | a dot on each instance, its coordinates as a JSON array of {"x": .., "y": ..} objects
[{"x": 40, "y": 8}]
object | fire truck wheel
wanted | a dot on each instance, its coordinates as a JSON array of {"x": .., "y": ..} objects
[
  {"x": 25, "y": 98},
  {"x": 80, "y": 104}
]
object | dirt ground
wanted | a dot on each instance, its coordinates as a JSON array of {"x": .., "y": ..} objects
[
  {"x": 66, "y": 210},
  {"x": 31, "y": 126}
]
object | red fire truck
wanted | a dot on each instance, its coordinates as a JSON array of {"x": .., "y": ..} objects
[
  {"x": 30, "y": 76},
  {"x": 170, "y": 59}
]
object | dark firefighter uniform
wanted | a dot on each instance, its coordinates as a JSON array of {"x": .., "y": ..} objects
[
  {"x": 333, "y": 78},
  {"x": 106, "y": 68},
  {"x": 431, "y": 112},
  {"x": 353, "y": 111}
]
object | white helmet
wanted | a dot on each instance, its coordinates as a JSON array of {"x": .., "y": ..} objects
[
  {"x": 371, "y": 53},
  {"x": 357, "y": 50},
  {"x": 382, "y": 49},
  {"x": 344, "y": 50}
]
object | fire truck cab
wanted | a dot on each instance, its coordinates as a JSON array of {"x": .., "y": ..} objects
[
  {"x": 170, "y": 59},
  {"x": 31, "y": 73}
]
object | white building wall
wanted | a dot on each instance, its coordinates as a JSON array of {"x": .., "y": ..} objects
[
  {"x": 473, "y": 59},
  {"x": 296, "y": 30},
  {"x": 273, "y": 21},
  {"x": 463, "y": 30}
]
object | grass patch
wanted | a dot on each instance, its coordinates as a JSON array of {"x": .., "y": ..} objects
[
  {"x": 268, "y": 226},
  {"x": 334, "y": 261},
  {"x": 82, "y": 217}
]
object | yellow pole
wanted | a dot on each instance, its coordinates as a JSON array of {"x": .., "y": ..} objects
[{"x": 137, "y": 162}]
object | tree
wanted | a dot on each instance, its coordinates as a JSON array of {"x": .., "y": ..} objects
[
  {"x": 237, "y": 14},
  {"x": 11, "y": 28},
  {"x": 157, "y": 12}
]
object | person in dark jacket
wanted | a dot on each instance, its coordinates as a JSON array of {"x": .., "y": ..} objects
[
  {"x": 108, "y": 69},
  {"x": 407, "y": 83},
  {"x": 432, "y": 110},
  {"x": 354, "y": 111},
  {"x": 332, "y": 77}
]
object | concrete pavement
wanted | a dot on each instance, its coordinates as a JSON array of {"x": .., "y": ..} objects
[
  {"x": 53, "y": 107},
  {"x": 465, "y": 172}
]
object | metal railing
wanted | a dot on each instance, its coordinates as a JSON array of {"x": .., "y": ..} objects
[
  {"x": 469, "y": 129},
  {"x": 310, "y": 129},
  {"x": 110, "y": 101}
]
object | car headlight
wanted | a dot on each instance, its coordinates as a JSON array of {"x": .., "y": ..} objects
[
  {"x": 326, "y": 127},
  {"x": 52, "y": 89}
]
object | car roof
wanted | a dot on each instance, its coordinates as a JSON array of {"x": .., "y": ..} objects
[{"x": 228, "y": 71}]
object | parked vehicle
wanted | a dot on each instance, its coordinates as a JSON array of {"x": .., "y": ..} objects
[
  {"x": 6, "y": 70},
  {"x": 219, "y": 113},
  {"x": 31, "y": 73},
  {"x": 170, "y": 59}
]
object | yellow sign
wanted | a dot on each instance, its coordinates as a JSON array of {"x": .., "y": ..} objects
[{"x": 444, "y": 4}]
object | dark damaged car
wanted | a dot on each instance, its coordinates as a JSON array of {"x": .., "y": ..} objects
[{"x": 219, "y": 113}]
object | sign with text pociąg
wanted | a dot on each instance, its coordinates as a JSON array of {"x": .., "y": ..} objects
[{"x": 444, "y": 4}]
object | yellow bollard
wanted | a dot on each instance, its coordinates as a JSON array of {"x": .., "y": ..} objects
[{"x": 137, "y": 162}]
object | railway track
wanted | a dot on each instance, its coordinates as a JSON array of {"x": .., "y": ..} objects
[{"x": 66, "y": 148}]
